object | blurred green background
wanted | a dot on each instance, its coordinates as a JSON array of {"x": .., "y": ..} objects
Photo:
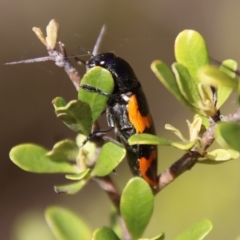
[{"x": 140, "y": 31}]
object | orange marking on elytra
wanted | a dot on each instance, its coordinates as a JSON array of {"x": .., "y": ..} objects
[
  {"x": 145, "y": 164},
  {"x": 138, "y": 121}
]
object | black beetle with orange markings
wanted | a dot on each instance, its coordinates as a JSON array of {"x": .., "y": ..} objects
[{"x": 127, "y": 111}]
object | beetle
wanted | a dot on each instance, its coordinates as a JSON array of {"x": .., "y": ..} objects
[{"x": 128, "y": 113}]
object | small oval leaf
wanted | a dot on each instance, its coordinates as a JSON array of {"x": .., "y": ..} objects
[
  {"x": 100, "y": 79},
  {"x": 149, "y": 139},
  {"x": 191, "y": 51},
  {"x": 70, "y": 188},
  {"x": 197, "y": 231},
  {"x": 212, "y": 76},
  {"x": 222, "y": 155},
  {"x": 65, "y": 225},
  {"x": 183, "y": 145},
  {"x": 227, "y": 135},
  {"x": 79, "y": 176},
  {"x": 158, "y": 237},
  {"x": 166, "y": 77},
  {"x": 59, "y": 102},
  {"x": 104, "y": 233},
  {"x": 65, "y": 150},
  {"x": 109, "y": 158},
  {"x": 228, "y": 67},
  {"x": 32, "y": 158},
  {"x": 187, "y": 85},
  {"x": 76, "y": 115},
  {"x": 136, "y": 206}
]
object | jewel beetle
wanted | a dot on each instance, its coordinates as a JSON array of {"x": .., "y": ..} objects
[{"x": 128, "y": 113}]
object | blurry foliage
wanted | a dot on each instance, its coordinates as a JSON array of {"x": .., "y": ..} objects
[{"x": 199, "y": 86}]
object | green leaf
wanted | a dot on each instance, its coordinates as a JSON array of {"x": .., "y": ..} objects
[
  {"x": 149, "y": 139},
  {"x": 222, "y": 154},
  {"x": 212, "y": 76},
  {"x": 197, "y": 231},
  {"x": 104, "y": 233},
  {"x": 99, "y": 78},
  {"x": 228, "y": 67},
  {"x": 183, "y": 145},
  {"x": 79, "y": 176},
  {"x": 219, "y": 156},
  {"x": 175, "y": 131},
  {"x": 76, "y": 115},
  {"x": 200, "y": 100},
  {"x": 227, "y": 135},
  {"x": 187, "y": 85},
  {"x": 65, "y": 150},
  {"x": 65, "y": 225},
  {"x": 158, "y": 237},
  {"x": 166, "y": 77},
  {"x": 59, "y": 102},
  {"x": 136, "y": 206},
  {"x": 32, "y": 158},
  {"x": 109, "y": 158},
  {"x": 70, "y": 188},
  {"x": 191, "y": 51}
]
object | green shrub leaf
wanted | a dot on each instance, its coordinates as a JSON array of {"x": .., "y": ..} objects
[
  {"x": 167, "y": 78},
  {"x": 187, "y": 85},
  {"x": 70, "y": 188},
  {"x": 191, "y": 51},
  {"x": 66, "y": 150},
  {"x": 228, "y": 67},
  {"x": 99, "y": 78},
  {"x": 150, "y": 139},
  {"x": 76, "y": 115},
  {"x": 146, "y": 138},
  {"x": 79, "y": 176},
  {"x": 222, "y": 154},
  {"x": 212, "y": 76},
  {"x": 197, "y": 231},
  {"x": 227, "y": 135},
  {"x": 158, "y": 237},
  {"x": 136, "y": 206},
  {"x": 109, "y": 158},
  {"x": 104, "y": 233},
  {"x": 65, "y": 225},
  {"x": 59, "y": 102},
  {"x": 32, "y": 158},
  {"x": 183, "y": 145}
]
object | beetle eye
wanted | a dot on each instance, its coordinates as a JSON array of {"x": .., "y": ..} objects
[{"x": 102, "y": 63}]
